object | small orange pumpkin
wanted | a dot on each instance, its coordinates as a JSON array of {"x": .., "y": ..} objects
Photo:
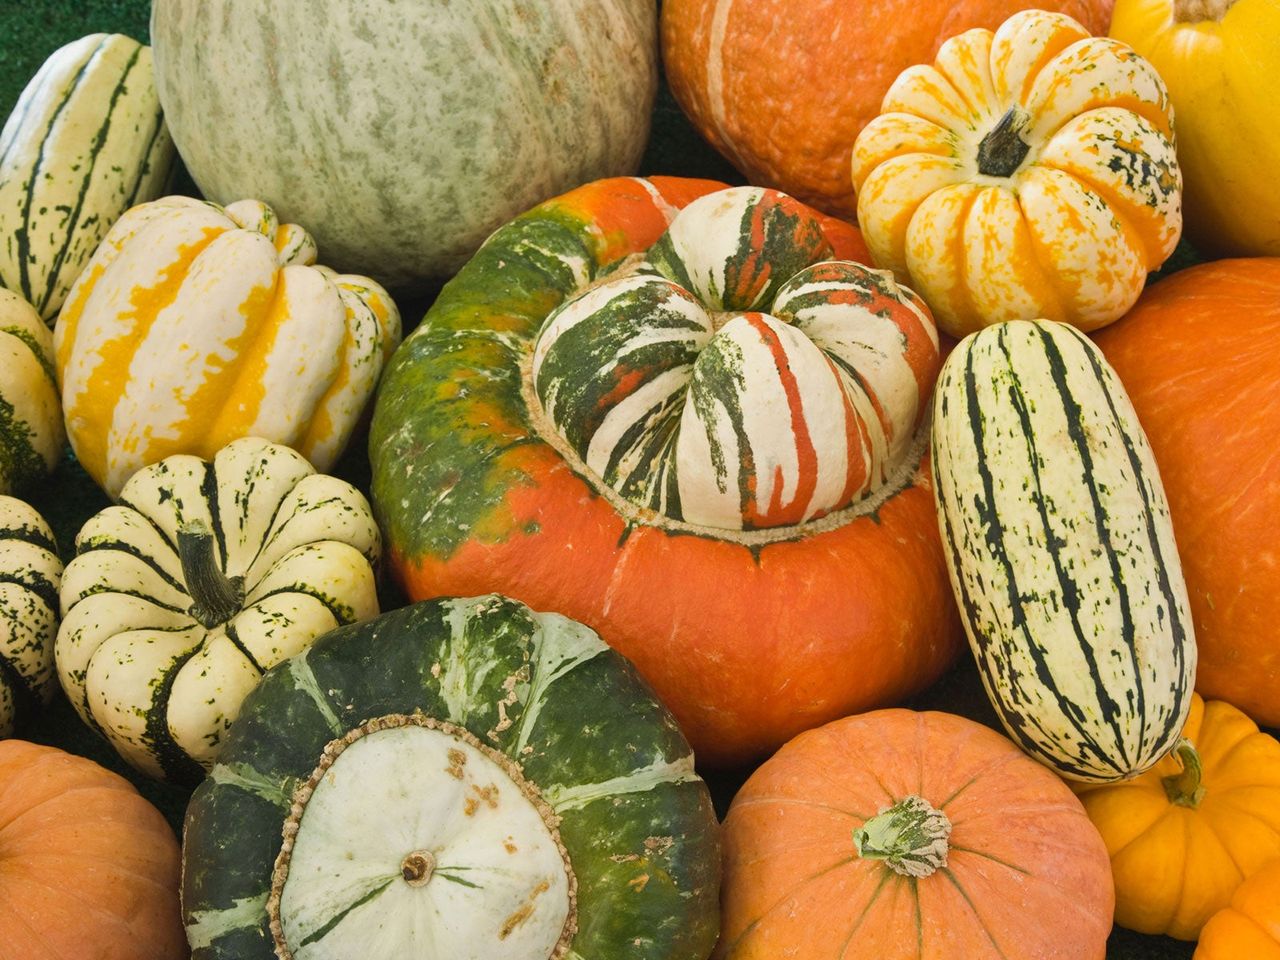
[
  {"x": 906, "y": 835},
  {"x": 1185, "y": 834},
  {"x": 1250, "y": 926},
  {"x": 88, "y": 868}
]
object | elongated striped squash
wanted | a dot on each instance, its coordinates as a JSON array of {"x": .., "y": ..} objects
[
  {"x": 85, "y": 143},
  {"x": 205, "y": 575},
  {"x": 31, "y": 433},
  {"x": 1061, "y": 552},
  {"x": 30, "y": 572},
  {"x": 461, "y": 779},
  {"x": 194, "y": 325}
]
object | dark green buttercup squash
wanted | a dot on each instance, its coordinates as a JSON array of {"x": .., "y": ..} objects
[{"x": 461, "y": 779}]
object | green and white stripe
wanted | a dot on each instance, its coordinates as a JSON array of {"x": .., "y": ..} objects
[
  {"x": 85, "y": 142},
  {"x": 500, "y": 784},
  {"x": 30, "y": 572},
  {"x": 31, "y": 430},
  {"x": 1061, "y": 550}
]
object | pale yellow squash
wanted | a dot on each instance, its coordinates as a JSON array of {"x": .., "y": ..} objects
[
  {"x": 1025, "y": 174},
  {"x": 1221, "y": 62},
  {"x": 195, "y": 325}
]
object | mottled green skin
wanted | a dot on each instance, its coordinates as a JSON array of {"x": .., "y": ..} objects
[
  {"x": 450, "y": 406},
  {"x": 595, "y": 720},
  {"x": 401, "y": 134}
]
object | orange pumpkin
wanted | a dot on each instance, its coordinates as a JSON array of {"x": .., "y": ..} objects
[
  {"x": 1198, "y": 355},
  {"x": 1250, "y": 926},
  {"x": 898, "y": 835},
  {"x": 783, "y": 87},
  {"x": 88, "y": 868}
]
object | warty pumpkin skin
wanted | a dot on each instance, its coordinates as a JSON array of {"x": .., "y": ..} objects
[
  {"x": 782, "y": 88},
  {"x": 749, "y": 633},
  {"x": 1185, "y": 834},
  {"x": 1025, "y": 174},
  {"x": 194, "y": 325},
  {"x": 1221, "y": 63},
  {"x": 1198, "y": 357},
  {"x": 1250, "y": 926},
  {"x": 897, "y": 835},
  {"x": 206, "y": 574},
  {"x": 31, "y": 434},
  {"x": 30, "y": 572},
  {"x": 88, "y": 868}
]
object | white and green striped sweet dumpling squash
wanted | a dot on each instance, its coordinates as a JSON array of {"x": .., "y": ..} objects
[
  {"x": 203, "y": 576},
  {"x": 1061, "y": 551},
  {"x": 31, "y": 432},
  {"x": 29, "y": 575},
  {"x": 85, "y": 143},
  {"x": 462, "y": 779}
]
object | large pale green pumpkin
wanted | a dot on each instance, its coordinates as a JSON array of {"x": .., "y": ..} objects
[{"x": 402, "y": 134}]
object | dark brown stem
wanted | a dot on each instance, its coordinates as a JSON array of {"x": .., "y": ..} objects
[
  {"x": 216, "y": 598},
  {"x": 1002, "y": 150}
]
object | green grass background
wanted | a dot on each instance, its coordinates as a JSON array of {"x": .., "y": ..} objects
[{"x": 29, "y": 32}]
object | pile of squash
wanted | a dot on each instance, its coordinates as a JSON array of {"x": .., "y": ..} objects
[{"x": 418, "y": 628}]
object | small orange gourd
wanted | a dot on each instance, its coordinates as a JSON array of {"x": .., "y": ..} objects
[
  {"x": 1250, "y": 926},
  {"x": 88, "y": 868}
]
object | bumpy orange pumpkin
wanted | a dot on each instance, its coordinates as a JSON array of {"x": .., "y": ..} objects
[
  {"x": 1184, "y": 834},
  {"x": 1198, "y": 356},
  {"x": 783, "y": 87},
  {"x": 898, "y": 835},
  {"x": 88, "y": 868},
  {"x": 1250, "y": 927}
]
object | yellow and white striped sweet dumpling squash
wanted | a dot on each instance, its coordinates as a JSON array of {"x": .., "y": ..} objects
[
  {"x": 1025, "y": 174},
  {"x": 195, "y": 325},
  {"x": 203, "y": 576},
  {"x": 31, "y": 436}
]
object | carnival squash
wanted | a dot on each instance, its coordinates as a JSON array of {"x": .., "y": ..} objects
[
  {"x": 403, "y": 134},
  {"x": 1221, "y": 63},
  {"x": 31, "y": 434},
  {"x": 1250, "y": 926},
  {"x": 898, "y": 835},
  {"x": 195, "y": 325},
  {"x": 1198, "y": 356},
  {"x": 88, "y": 869},
  {"x": 30, "y": 572},
  {"x": 1184, "y": 835},
  {"x": 202, "y": 577},
  {"x": 783, "y": 87},
  {"x": 461, "y": 779},
  {"x": 1027, "y": 173},
  {"x": 1061, "y": 551},
  {"x": 699, "y": 432}
]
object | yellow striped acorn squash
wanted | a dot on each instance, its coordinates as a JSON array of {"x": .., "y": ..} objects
[
  {"x": 1027, "y": 173},
  {"x": 202, "y": 577},
  {"x": 31, "y": 434},
  {"x": 194, "y": 325},
  {"x": 85, "y": 142}
]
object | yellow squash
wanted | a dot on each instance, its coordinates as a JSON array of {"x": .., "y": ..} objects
[
  {"x": 1183, "y": 836},
  {"x": 195, "y": 325},
  {"x": 1221, "y": 62},
  {"x": 1249, "y": 929},
  {"x": 1025, "y": 174}
]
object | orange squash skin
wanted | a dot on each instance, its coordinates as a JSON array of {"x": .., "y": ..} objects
[
  {"x": 88, "y": 868},
  {"x": 746, "y": 645},
  {"x": 1198, "y": 355},
  {"x": 1021, "y": 851},
  {"x": 782, "y": 88},
  {"x": 1250, "y": 926}
]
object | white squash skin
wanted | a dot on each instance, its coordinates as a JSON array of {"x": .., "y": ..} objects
[
  {"x": 402, "y": 135},
  {"x": 59, "y": 185},
  {"x": 304, "y": 544},
  {"x": 26, "y": 358},
  {"x": 27, "y": 622}
]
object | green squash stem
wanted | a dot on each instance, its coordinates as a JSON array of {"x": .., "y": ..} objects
[
  {"x": 216, "y": 598},
  {"x": 1185, "y": 789},
  {"x": 1198, "y": 11},
  {"x": 910, "y": 837},
  {"x": 1002, "y": 150}
]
